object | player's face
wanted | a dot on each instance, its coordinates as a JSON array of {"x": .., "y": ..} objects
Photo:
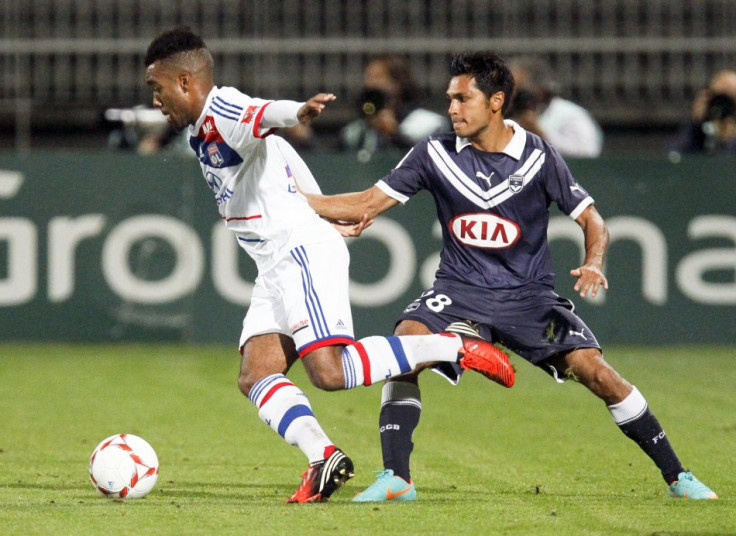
[
  {"x": 470, "y": 110},
  {"x": 169, "y": 95}
]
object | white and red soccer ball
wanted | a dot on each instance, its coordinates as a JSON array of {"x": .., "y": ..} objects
[{"x": 124, "y": 466}]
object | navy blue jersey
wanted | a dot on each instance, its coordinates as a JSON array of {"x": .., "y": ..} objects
[{"x": 494, "y": 207}]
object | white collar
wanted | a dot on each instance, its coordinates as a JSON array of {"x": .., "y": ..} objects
[
  {"x": 198, "y": 124},
  {"x": 515, "y": 147}
]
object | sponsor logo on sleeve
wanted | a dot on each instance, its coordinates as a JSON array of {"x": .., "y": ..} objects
[{"x": 250, "y": 112}]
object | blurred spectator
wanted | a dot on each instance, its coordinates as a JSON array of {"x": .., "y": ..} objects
[
  {"x": 302, "y": 137},
  {"x": 711, "y": 127},
  {"x": 390, "y": 113},
  {"x": 537, "y": 107}
]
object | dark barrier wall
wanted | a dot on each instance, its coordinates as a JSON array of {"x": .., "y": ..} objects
[{"x": 108, "y": 246}]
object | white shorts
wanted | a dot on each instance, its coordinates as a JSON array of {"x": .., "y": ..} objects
[{"x": 304, "y": 296}]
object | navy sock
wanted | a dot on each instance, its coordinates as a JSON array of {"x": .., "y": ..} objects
[
  {"x": 400, "y": 411},
  {"x": 651, "y": 438},
  {"x": 633, "y": 417}
]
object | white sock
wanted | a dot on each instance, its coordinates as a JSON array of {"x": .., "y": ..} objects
[
  {"x": 630, "y": 408},
  {"x": 401, "y": 394},
  {"x": 286, "y": 409},
  {"x": 376, "y": 358}
]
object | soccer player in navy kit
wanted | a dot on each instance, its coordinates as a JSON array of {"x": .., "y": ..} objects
[
  {"x": 492, "y": 183},
  {"x": 300, "y": 309}
]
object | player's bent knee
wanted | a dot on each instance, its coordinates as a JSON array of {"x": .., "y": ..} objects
[
  {"x": 324, "y": 368},
  {"x": 325, "y": 379},
  {"x": 245, "y": 383}
]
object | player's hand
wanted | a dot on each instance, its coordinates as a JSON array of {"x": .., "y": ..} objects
[
  {"x": 313, "y": 107},
  {"x": 352, "y": 229},
  {"x": 590, "y": 279}
]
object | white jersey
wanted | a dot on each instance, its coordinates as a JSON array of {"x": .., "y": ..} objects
[
  {"x": 570, "y": 129},
  {"x": 254, "y": 175}
]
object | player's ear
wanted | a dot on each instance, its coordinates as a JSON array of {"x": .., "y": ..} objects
[
  {"x": 496, "y": 101},
  {"x": 185, "y": 81}
]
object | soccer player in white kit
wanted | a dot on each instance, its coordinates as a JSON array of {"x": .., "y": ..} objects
[{"x": 300, "y": 307}]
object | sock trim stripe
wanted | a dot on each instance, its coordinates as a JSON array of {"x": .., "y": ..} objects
[
  {"x": 400, "y": 390},
  {"x": 349, "y": 369},
  {"x": 629, "y": 409},
  {"x": 261, "y": 385},
  {"x": 272, "y": 391},
  {"x": 398, "y": 350},
  {"x": 291, "y": 415},
  {"x": 630, "y": 419},
  {"x": 407, "y": 402},
  {"x": 365, "y": 362}
]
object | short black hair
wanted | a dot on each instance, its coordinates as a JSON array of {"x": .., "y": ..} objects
[
  {"x": 171, "y": 42},
  {"x": 490, "y": 70}
]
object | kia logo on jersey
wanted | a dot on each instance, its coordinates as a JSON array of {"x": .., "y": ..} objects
[{"x": 483, "y": 230}]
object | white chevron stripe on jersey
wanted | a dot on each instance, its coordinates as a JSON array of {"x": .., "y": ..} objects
[
  {"x": 405, "y": 157},
  {"x": 531, "y": 161},
  {"x": 529, "y": 170},
  {"x": 472, "y": 191},
  {"x": 455, "y": 175}
]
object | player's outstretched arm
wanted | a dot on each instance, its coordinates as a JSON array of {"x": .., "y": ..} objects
[
  {"x": 352, "y": 207},
  {"x": 313, "y": 107},
  {"x": 590, "y": 274}
]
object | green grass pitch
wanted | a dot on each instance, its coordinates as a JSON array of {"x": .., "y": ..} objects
[{"x": 533, "y": 460}]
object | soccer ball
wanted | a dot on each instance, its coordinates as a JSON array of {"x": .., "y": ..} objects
[{"x": 123, "y": 466}]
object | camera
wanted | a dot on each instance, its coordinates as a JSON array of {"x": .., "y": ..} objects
[
  {"x": 130, "y": 125},
  {"x": 721, "y": 111},
  {"x": 719, "y": 107},
  {"x": 372, "y": 101}
]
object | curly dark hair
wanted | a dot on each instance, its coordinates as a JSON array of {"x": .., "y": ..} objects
[
  {"x": 171, "y": 42},
  {"x": 490, "y": 71}
]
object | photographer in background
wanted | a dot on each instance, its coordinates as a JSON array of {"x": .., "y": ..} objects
[
  {"x": 390, "y": 115},
  {"x": 537, "y": 107},
  {"x": 711, "y": 127},
  {"x": 719, "y": 125},
  {"x": 143, "y": 130}
]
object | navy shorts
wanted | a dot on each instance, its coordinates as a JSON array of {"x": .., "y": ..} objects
[{"x": 533, "y": 322}]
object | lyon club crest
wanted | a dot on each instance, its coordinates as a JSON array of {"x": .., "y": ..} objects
[
  {"x": 216, "y": 159},
  {"x": 516, "y": 183}
]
